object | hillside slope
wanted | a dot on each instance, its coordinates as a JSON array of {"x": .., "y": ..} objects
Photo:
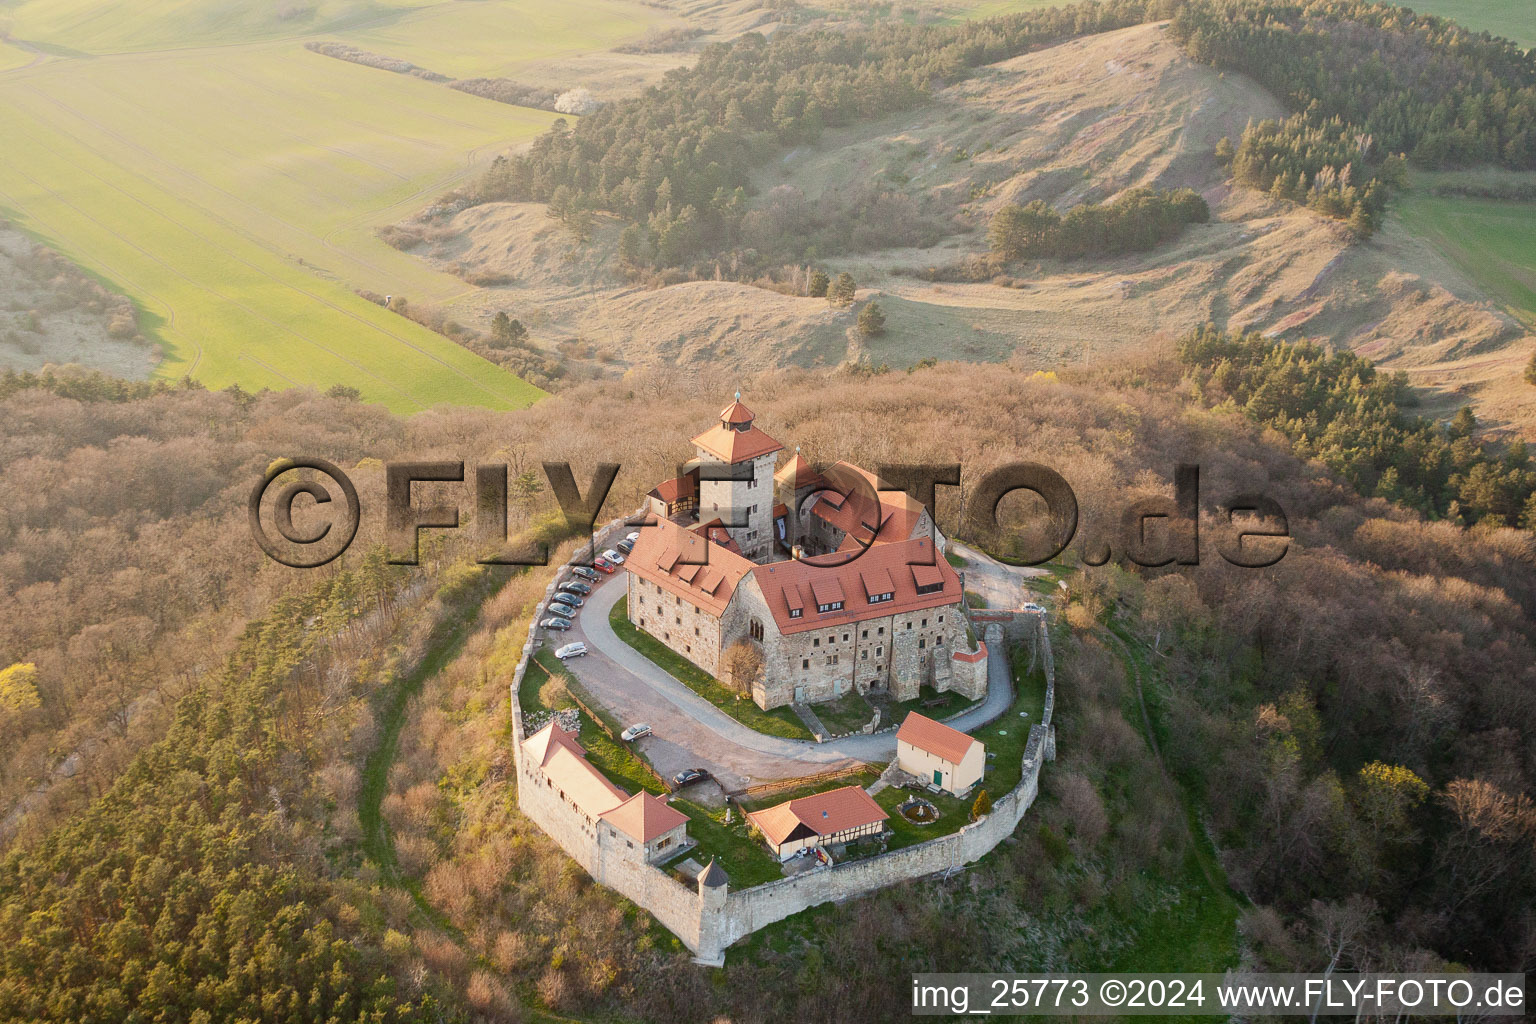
[{"x": 1074, "y": 123}]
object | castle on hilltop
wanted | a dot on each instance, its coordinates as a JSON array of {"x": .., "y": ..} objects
[{"x": 799, "y": 586}]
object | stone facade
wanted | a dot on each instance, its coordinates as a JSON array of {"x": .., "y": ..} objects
[
  {"x": 691, "y": 631},
  {"x": 746, "y": 500},
  {"x": 898, "y": 653}
]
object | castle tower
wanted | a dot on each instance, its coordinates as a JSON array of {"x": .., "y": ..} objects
[
  {"x": 744, "y": 503},
  {"x": 714, "y": 886}
]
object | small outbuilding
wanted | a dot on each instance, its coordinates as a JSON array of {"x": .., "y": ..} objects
[
  {"x": 836, "y": 816},
  {"x": 945, "y": 758}
]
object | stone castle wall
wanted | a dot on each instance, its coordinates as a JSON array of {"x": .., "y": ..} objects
[{"x": 708, "y": 921}]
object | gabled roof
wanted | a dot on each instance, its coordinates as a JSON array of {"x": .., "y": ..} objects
[
  {"x": 936, "y": 738},
  {"x": 645, "y": 816},
  {"x": 783, "y": 584},
  {"x": 717, "y": 533},
  {"x": 824, "y": 814},
  {"x": 686, "y": 563}
]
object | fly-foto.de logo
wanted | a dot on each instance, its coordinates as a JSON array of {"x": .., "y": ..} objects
[{"x": 305, "y": 512}]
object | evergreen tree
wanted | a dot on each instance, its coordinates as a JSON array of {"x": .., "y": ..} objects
[
  {"x": 871, "y": 320},
  {"x": 820, "y": 282},
  {"x": 842, "y": 290},
  {"x": 982, "y": 806}
]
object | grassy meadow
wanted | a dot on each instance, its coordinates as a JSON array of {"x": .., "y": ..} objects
[
  {"x": 234, "y": 190},
  {"x": 1492, "y": 241},
  {"x": 1513, "y": 19}
]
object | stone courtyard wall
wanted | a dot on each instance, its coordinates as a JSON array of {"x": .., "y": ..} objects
[{"x": 708, "y": 921}]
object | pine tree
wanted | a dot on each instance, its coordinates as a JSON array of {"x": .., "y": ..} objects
[
  {"x": 982, "y": 807},
  {"x": 842, "y": 291},
  {"x": 820, "y": 282},
  {"x": 871, "y": 320},
  {"x": 1530, "y": 370}
]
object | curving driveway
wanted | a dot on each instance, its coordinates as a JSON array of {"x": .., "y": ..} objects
[{"x": 689, "y": 731}]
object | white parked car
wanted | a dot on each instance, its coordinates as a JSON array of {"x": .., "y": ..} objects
[
  {"x": 613, "y": 556},
  {"x": 1036, "y": 608},
  {"x": 633, "y": 537},
  {"x": 575, "y": 650},
  {"x": 634, "y": 732}
]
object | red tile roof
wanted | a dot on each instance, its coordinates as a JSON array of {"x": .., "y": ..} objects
[
  {"x": 824, "y": 814},
  {"x": 645, "y": 816},
  {"x": 581, "y": 783},
  {"x": 971, "y": 657},
  {"x": 797, "y": 473},
  {"x": 936, "y": 738},
  {"x": 784, "y": 583},
  {"x": 688, "y": 565},
  {"x": 733, "y": 446},
  {"x": 853, "y": 504},
  {"x": 677, "y": 489},
  {"x": 539, "y": 747},
  {"x": 736, "y": 413}
]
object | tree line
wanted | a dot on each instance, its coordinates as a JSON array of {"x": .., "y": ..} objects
[
  {"x": 1338, "y": 409},
  {"x": 1366, "y": 82},
  {"x": 1136, "y": 220}
]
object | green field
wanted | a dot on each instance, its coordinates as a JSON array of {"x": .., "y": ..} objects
[
  {"x": 234, "y": 190},
  {"x": 1513, "y": 19},
  {"x": 992, "y": 8},
  {"x": 1492, "y": 241}
]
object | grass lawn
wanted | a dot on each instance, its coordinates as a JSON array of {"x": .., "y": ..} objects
[
  {"x": 746, "y": 860},
  {"x": 779, "y": 722},
  {"x": 242, "y": 239},
  {"x": 1492, "y": 241},
  {"x": 848, "y": 713},
  {"x": 954, "y": 813},
  {"x": 1009, "y": 735},
  {"x": 956, "y": 559},
  {"x": 895, "y": 712}
]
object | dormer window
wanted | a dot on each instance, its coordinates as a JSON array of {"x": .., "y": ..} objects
[
  {"x": 794, "y": 613},
  {"x": 878, "y": 598},
  {"x": 831, "y": 606}
]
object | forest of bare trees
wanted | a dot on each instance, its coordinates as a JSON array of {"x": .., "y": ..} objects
[{"x": 1352, "y": 725}]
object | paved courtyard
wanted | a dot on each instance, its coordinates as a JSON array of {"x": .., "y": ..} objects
[{"x": 690, "y": 732}]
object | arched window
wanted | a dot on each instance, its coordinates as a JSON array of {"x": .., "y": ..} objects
[{"x": 755, "y": 630}]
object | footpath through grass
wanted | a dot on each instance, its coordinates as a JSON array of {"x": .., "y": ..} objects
[
  {"x": 444, "y": 645},
  {"x": 1197, "y": 931},
  {"x": 782, "y": 722}
]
